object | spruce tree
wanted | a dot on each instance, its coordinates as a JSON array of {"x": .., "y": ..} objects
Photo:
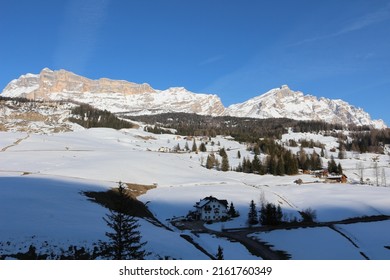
[
  {"x": 210, "y": 161},
  {"x": 252, "y": 215},
  {"x": 291, "y": 163},
  {"x": 280, "y": 171},
  {"x": 225, "y": 164},
  {"x": 271, "y": 214},
  {"x": 339, "y": 169},
  {"x": 332, "y": 166},
  {"x": 247, "y": 165},
  {"x": 124, "y": 239},
  {"x": 219, "y": 255},
  {"x": 256, "y": 149},
  {"x": 222, "y": 152},
  {"x": 316, "y": 163},
  {"x": 256, "y": 165},
  {"x": 194, "y": 146},
  {"x": 232, "y": 211},
  {"x": 202, "y": 147}
]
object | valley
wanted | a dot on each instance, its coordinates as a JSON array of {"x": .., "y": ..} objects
[
  {"x": 312, "y": 187},
  {"x": 43, "y": 176}
]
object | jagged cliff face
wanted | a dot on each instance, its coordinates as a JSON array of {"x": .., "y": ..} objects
[
  {"x": 47, "y": 82},
  {"x": 137, "y": 99},
  {"x": 112, "y": 95}
]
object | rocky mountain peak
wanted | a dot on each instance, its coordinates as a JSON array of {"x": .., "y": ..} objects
[
  {"x": 285, "y": 103},
  {"x": 47, "y": 82},
  {"x": 135, "y": 99},
  {"x": 112, "y": 95}
]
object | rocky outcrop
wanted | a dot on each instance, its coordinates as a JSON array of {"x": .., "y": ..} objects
[
  {"x": 112, "y": 95},
  {"x": 137, "y": 99},
  {"x": 47, "y": 82}
]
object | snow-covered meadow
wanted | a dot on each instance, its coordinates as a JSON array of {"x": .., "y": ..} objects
[{"x": 42, "y": 178}]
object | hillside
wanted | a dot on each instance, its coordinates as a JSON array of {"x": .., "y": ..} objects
[{"x": 43, "y": 178}]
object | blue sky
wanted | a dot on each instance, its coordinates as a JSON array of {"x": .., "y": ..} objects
[{"x": 236, "y": 49}]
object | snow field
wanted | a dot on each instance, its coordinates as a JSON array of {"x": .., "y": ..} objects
[{"x": 46, "y": 203}]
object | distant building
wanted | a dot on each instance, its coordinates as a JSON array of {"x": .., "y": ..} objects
[
  {"x": 210, "y": 209},
  {"x": 337, "y": 179},
  {"x": 164, "y": 150}
]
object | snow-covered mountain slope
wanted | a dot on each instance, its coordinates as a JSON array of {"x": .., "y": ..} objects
[
  {"x": 42, "y": 178},
  {"x": 112, "y": 95},
  {"x": 36, "y": 117},
  {"x": 285, "y": 103},
  {"x": 137, "y": 99}
]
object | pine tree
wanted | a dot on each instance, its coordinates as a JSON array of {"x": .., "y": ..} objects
[
  {"x": 256, "y": 165},
  {"x": 316, "y": 163},
  {"x": 225, "y": 164},
  {"x": 232, "y": 211},
  {"x": 202, "y": 147},
  {"x": 194, "y": 146},
  {"x": 238, "y": 154},
  {"x": 302, "y": 159},
  {"x": 280, "y": 171},
  {"x": 124, "y": 239},
  {"x": 272, "y": 164},
  {"x": 247, "y": 165},
  {"x": 252, "y": 215},
  {"x": 239, "y": 167},
  {"x": 222, "y": 152},
  {"x": 271, "y": 214},
  {"x": 332, "y": 166},
  {"x": 339, "y": 169},
  {"x": 256, "y": 149},
  {"x": 177, "y": 148},
  {"x": 291, "y": 163},
  {"x": 219, "y": 255},
  {"x": 210, "y": 161}
]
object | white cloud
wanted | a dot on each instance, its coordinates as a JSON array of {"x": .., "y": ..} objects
[
  {"x": 354, "y": 25},
  {"x": 79, "y": 33},
  {"x": 211, "y": 60}
]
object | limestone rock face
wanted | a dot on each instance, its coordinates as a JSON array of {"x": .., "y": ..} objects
[
  {"x": 112, "y": 95},
  {"x": 63, "y": 81},
  {"x": 140, "y": 99}
]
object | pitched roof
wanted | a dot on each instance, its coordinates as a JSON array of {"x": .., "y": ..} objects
[{"x": 203, "y": 202}]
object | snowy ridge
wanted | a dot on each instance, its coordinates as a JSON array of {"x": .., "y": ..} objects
[
  {"x": 138, "y": 99},
  {"x": 284, "y": 103},
  {"x": 24, "y": 85}
]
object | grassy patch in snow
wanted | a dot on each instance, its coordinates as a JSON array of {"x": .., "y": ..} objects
[{"x": 134, "y": 207}]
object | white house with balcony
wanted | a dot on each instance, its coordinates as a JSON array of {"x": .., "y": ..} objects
[{"x": 211, "y": 209}]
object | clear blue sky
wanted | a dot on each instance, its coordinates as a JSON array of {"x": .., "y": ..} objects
[{"x": 236, "y": 49}]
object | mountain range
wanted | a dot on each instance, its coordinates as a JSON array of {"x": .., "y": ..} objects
[{"x": 120, "y": 96}]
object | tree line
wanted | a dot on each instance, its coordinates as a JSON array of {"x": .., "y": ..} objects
[
  {"x": 249, "y": 130},
  {"x": 242, "y": 129},
  {"x": 88, "y": 116}
]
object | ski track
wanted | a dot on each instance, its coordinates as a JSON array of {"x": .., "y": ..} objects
[{"x": 17, "y": 142}]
